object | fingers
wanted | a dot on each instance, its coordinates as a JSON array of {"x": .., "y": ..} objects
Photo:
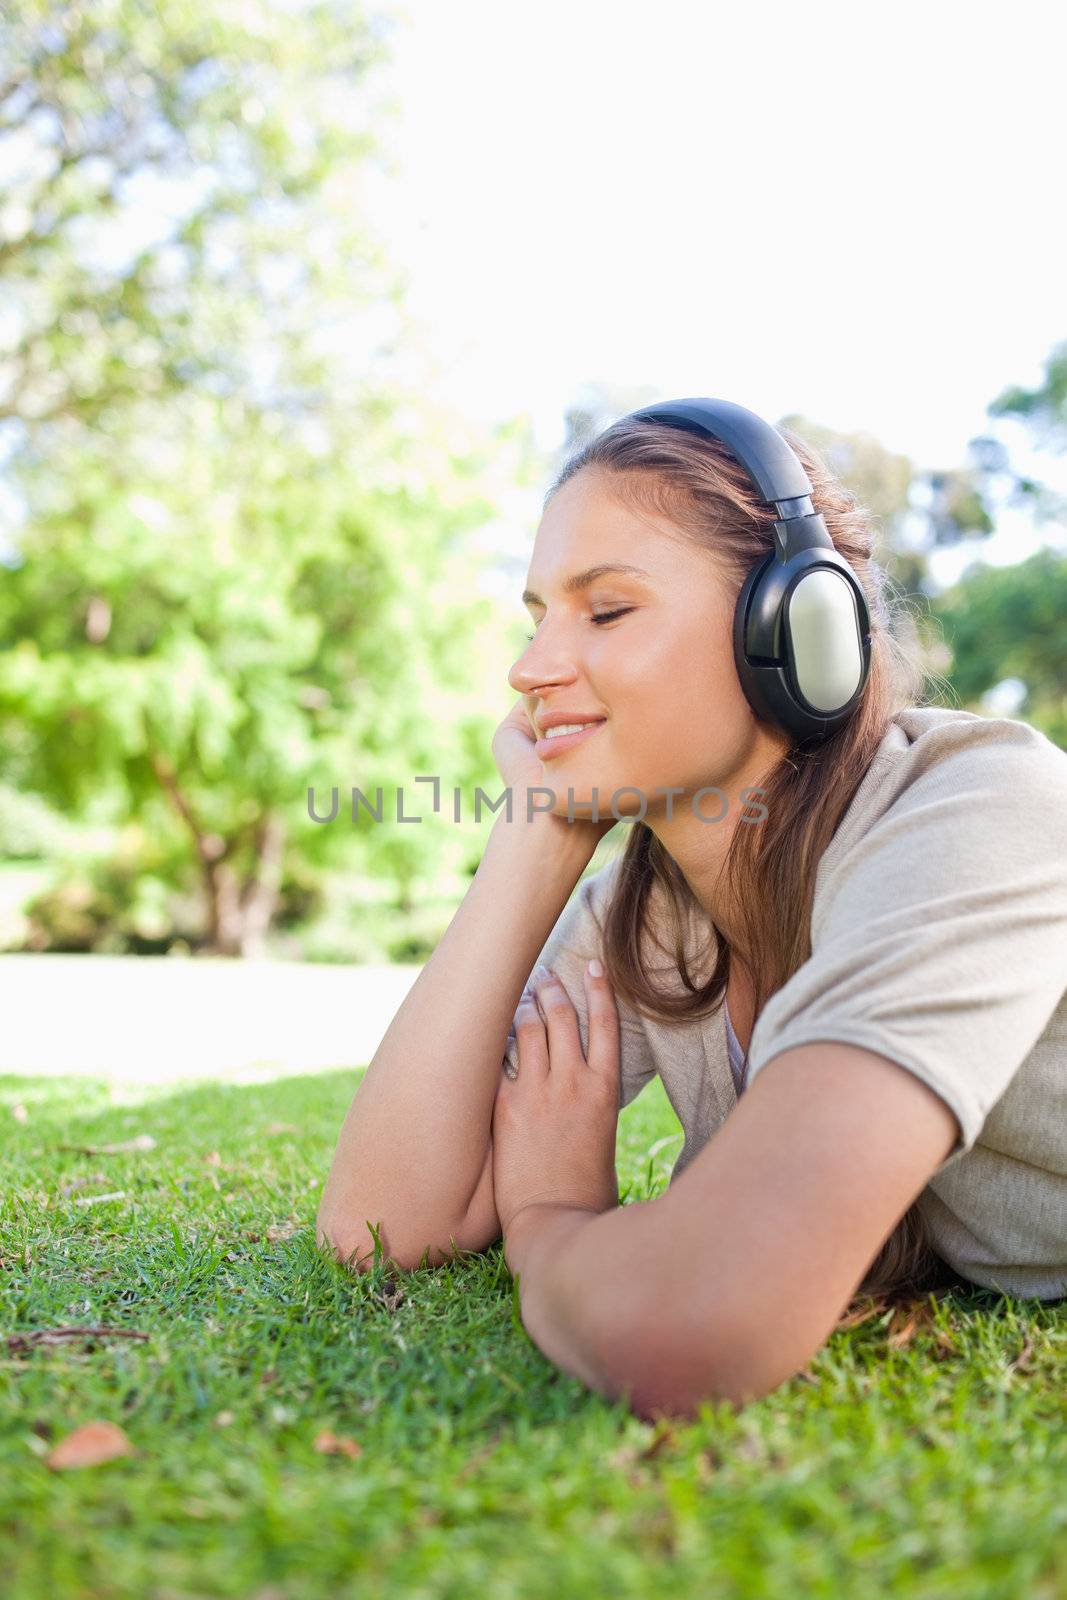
[
  {"x": 530, "y": 1036},
  {"x": 561, "y": 1020},
  {"x": 547, "y": 1030},
  {"x": 602, "y": 1052}
]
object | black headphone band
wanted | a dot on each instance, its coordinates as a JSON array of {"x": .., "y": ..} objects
[{"x": 801, "y": 629}]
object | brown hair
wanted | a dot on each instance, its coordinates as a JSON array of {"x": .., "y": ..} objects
[{"x": 702, "y": 490}]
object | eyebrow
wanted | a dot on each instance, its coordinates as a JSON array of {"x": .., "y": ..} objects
[{"x": 581, "y": 580}]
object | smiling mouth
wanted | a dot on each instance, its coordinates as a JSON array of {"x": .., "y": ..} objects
[{"x": 556, "y": 745}]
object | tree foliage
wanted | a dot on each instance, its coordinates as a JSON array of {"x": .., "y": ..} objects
[
  {"x": 1007, "y": 622},
  {"x": 242, "y": 571}
]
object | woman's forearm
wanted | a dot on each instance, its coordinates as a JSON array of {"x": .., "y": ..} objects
[
  {"x": 584, "y": 1280},
  {"x": 559, "y": 1324},
  {"x": 415, "y": 1140}
]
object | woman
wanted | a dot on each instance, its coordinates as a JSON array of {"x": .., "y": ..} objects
[{"x": 845, "y": 956}]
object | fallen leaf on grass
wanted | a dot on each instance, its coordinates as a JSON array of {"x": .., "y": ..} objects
[
  {"x": 281, "y": 1230},
  {"x": 1022, "y": 1362},
  {"x": 331, "y": 1444},
  {"x": 473, "y": 1462},
  {"x": 626, "y": 1455},
  {"x": 224, "y": 1419},
  {"x": 664, "y": 1434},
  {"x": 213, "y": 1159},
  {"x": 88, "y": 1446},
  {"x": 143, "y": 1141},
  {"x": 18, "y": 1343},
  {"x": 20, "y": 1113}
]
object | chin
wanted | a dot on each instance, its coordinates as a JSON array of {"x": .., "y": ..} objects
[{"x": 581, "y": 807}]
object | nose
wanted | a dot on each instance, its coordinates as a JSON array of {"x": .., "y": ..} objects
[{"x": 536, "y": 667}]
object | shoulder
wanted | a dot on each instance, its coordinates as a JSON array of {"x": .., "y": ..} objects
[
  {"x": 943, "y": 743},
  {"x": 960, "y": 773}
]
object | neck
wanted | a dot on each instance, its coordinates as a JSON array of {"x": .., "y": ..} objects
[{"x": 701, "y": 848}]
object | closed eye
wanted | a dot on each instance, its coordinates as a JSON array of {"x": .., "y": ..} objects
[{"x": 603, "y": 616}]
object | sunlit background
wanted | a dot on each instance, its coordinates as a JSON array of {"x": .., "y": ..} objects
[{"x": 304, "y": 305}]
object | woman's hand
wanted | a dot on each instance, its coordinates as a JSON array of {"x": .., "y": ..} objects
[
  {"x": 522, "y": 769},
  {"x": 513, "y": 748},
  {"x": 554, "y": 1124}
]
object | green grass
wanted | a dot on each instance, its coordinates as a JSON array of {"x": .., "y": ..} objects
[{"x": 934, "y": 1469}]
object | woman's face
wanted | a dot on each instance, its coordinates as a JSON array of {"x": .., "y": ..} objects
[{"x": 661, "y": 676}]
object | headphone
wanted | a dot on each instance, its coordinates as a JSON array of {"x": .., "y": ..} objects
[{"x": 801, "y": 633}]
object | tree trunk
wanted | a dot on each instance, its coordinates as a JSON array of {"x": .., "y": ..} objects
[
  {"x": 223, "y": 908},
  {"x": 238, "y": 916},
  {"x": 260, "y": 898}
]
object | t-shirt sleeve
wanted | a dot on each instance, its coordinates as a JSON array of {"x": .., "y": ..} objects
[
  {"x": 944, "y": 944},
  {"x": 576, "y": 939}
]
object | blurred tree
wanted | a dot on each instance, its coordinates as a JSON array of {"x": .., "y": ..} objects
[
  {"x": 885, "y": 482},
  {"x": 162, "y": 167},
  {"x": 227, "y": 639},
  {"x": 1043, "y": 411},
  {"x": 242, "y": 571},
  {"x": 1007, "y": 622}
]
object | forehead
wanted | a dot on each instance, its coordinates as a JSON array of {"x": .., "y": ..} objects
[
  {"x": 585, "y": 525},
  {"x": 588, "y": 505}
]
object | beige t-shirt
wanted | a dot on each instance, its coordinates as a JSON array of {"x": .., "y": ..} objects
[{"x": 939, "y": 939}]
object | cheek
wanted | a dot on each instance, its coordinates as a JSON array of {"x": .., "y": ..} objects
[{"x": 671, "y": 683}]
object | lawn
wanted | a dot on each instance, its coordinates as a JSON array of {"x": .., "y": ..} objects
[{"x": 298, "y": 1433}]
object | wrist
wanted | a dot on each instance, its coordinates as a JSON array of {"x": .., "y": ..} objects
[
  {"x": 546, "y": 838},
  {"x": 541, "y": 1225}
]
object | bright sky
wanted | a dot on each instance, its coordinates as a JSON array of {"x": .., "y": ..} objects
[{"x": 850, "y": 212}]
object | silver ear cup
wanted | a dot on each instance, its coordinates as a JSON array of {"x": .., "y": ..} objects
[
  {"x": 824, "y": 632},
  {"x": 802, "y": 670}
]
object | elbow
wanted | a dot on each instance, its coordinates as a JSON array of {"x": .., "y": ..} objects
[
  {"x": 670, "y": 1369},
  {"x": 350, "y": 1247},
  {"x": 355, "y": 1245}
]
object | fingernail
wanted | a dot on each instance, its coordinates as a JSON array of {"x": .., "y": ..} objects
[{"x": 594, "y": 968}]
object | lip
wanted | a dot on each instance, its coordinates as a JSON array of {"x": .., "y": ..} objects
[{"x": 547, "y": 748}]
